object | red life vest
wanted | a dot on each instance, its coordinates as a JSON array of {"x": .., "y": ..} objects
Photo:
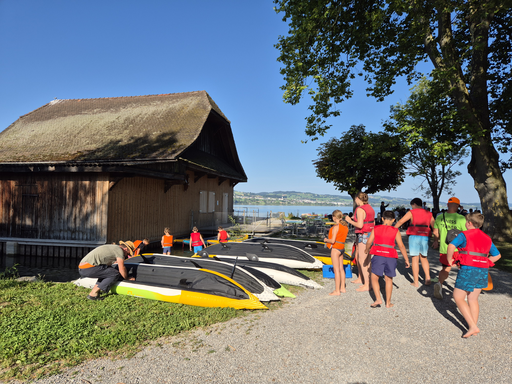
[
  {"x": 167, "y": 240},
  {"x": 476, "y": 253},
  {"x": 369, "y": 221},
  {"x": 420, "y": 223},
  {"x": 341, "y": 236},
  {"x": 195, "y": 239},
  {"x": 384, "y": 241},
  {"x": 223, "y": 236}
]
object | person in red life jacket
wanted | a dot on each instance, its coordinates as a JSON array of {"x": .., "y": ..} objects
[
  {"x": 381, "y": 245},
  {"x": 140, "y": 247},
  {"x": 222, "y": 236},
  {"x": 196, "y": 240},
  {"x": 443, "y": 223},
  {"x": 419, "y": 232},
  {"x": 476, "y": 254},
  {"x": 336, "y": 242},
  {"x": 364, "y": 221},
  {"x": 167, "y": 241}
]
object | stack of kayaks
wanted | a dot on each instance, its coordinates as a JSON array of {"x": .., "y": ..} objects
[
  {"x": 175, "y": 284},
  {"x": 274, "y": 253}
]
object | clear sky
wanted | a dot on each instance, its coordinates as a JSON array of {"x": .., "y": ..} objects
[{"x": 87, "y": 49}]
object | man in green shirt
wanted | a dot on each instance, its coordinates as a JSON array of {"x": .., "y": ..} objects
[
  {"x": 98, "y": 264},
  {"x": 444, "y": 222}
]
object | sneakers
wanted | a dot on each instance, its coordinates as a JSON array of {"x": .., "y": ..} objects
[
  {"x": 438, "y": 290},
  {"x": 95, "y": 297}
]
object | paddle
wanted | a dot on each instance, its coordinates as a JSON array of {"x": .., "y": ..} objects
[{"x": 490, "y": 285}]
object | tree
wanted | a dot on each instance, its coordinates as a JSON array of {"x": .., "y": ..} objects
[
  {"x": 361, "y": 161},
  {"x": 468, "y": 42},
  {"x": 431, "y": 128}
]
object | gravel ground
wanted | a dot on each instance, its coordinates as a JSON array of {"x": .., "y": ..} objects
[{"x": 317, "y": 338}]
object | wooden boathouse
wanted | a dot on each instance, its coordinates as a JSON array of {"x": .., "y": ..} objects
[{"x": 75, "y": 174}]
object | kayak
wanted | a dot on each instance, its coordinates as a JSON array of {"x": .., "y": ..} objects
[
  {"x": 241, "y": 276},
  {"x": 190, "y": 286},
  {"x": 274, "y": 253}
]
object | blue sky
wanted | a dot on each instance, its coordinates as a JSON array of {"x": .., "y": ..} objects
[{"x": 87, "y": 49}]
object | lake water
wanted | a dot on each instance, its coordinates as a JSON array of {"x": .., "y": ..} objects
[{"x": 297, "y": 210}]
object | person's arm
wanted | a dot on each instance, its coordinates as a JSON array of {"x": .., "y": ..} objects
[
  {"x": 435, "y": 244},
  {"x": 162, "y": 242},
  {"x": 494, "y": 254},
  {"x": 387, "y": 205},
  {"x": 190, "y": 243},
  {"x": 228, "y": 235},
  {"x": 449, "y": 253},
  {"x": 401, "y": 246},
  {"x": 369, "y": 242},
  {"x": 201, "y": 236},
  {"x": 407, "y": 216},
  {"x": 360, "y": 218},
  {"x": 122, "y": 269},
  {"x": 218, "y": 236}
]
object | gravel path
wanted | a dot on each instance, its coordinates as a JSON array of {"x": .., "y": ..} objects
[{"x": 316, "y": 338}]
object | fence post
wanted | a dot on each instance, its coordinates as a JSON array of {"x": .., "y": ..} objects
[{"x": 11, "y": 253}]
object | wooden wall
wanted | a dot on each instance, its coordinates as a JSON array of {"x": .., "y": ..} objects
[
  {"x": 138, "y": 207},
  {"x": 71, "y": 207}
]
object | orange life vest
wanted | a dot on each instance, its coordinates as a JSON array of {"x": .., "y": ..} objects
[
  {"x": 420, "y": 223},
  {"x": 476, "y": 252},
  {"x": 369, "y": 221},
  {"x": 341, "y": 236},
  {"x": 136, "y": 243},
  {"x": 384, "y": 241},
  {"x": 167, "y": 241}
]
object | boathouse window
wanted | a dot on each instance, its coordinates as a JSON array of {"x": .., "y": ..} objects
[
  {"x": 202, "y": 201},
  {"x": 211, "y": 202}
]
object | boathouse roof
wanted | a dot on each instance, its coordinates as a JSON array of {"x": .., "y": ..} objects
[{"x": 168, "y": 127}]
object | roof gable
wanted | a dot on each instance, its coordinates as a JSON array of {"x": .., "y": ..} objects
[{"x": 121, "y": 128}]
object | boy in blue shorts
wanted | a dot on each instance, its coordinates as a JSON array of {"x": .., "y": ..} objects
[
  {"x": 476, "y": 254},
  {"x": 385, "y": 256}
]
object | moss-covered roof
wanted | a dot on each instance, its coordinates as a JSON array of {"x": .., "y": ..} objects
[{"x": 110, "y": 129}]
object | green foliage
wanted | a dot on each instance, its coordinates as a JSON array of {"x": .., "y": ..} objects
[
  {"x": 362, "y": 161},
  {"x": 10, "y": 273},
  {"x": 46, "y": 326},
  {"x": 235, "y": 230}
]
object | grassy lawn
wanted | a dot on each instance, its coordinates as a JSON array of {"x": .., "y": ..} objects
[{"x": 47, "y": 326}]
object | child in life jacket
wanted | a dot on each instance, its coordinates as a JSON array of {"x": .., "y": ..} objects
[
  {"x": 196, "y": 240},
  {"x": 140, "y": 247},
  {"x": 222, "y": 236},
  {"x": 336, "y": 242},
  {"x": 385, "y": 256},
  {"x": 476, "y": 254},
  {"x": 167, "y": 241}
]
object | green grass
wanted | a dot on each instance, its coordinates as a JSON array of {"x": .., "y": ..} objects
[
  {"x": 47, "y": 326},
  {"x": 505, "y": 263}
]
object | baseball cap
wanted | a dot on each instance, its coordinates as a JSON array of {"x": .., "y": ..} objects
[{"x": 454, "y": 200}]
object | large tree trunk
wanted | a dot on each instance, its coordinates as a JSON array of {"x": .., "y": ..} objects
[{"x": 492, "y": 189}]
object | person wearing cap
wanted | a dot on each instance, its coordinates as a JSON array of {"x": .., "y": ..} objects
[
  {"x": 444, "y": 222},
  {"x": 98, "y": 264}
]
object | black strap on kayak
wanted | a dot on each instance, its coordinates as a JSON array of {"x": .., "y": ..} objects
[{"x": 234, "y": 267}]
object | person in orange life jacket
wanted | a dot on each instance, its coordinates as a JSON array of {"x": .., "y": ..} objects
[
  {"x": 419, "y": 232},
  {"x": 336, "y": 242},
  {"x": 476, "y": 254},
  {"x": 444, "y": 222},
  {"x": 222, "y": 236},
  {"x": 196, "y": 240},
  {"x": 98, "y": 264},
  {"x": 140, "y": 247},
  {"x": 167, "y": 241},
  {"x": 385, "y": 256},
  {"x": 364, "y": 221}
]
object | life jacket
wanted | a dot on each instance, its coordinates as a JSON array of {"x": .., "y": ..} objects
[
  {"x": 384, "y": 241},
  {"x": 167, "y": 241},
  {"x": 341, "y": 236},
  {"x": 223, "y": 236},
  {"x": 420, "y": 223},
  {"x": 136, "y": 243},
  {"x": 369, "y": 221},
  {"x": 476, "y": 252},
  {"x": 195, "y": 239}
]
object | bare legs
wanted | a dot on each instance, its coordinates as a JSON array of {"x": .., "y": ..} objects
[
  {"x": 339, "y": 272},
  {"x": 363, "y": 266},
  {"x": 470, "y": 309},
  {"x": 376, "y": 290},
  {"x": 416, "y": 269}
]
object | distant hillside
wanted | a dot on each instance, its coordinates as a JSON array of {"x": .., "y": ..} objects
[{"x": 307, "y": 198}]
